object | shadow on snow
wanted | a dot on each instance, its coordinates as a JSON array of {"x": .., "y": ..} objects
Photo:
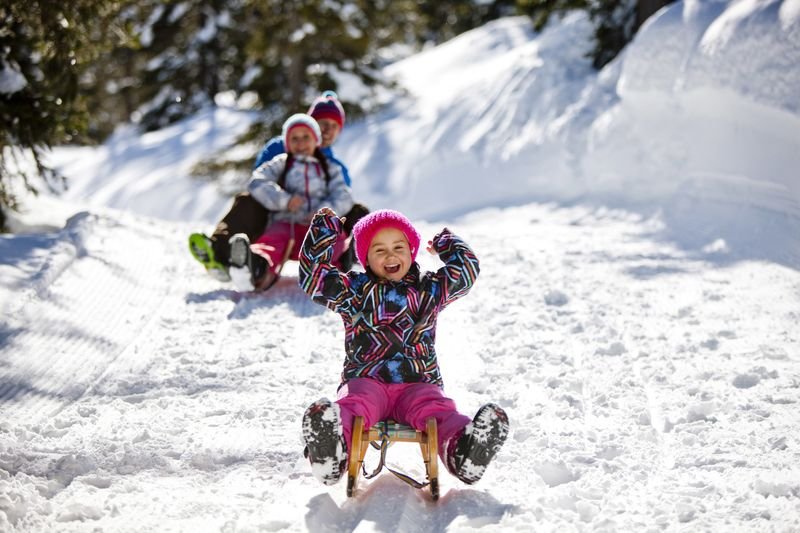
[
  {"x": 285, "y": 293},
  {"x": 388, "y": 504}
]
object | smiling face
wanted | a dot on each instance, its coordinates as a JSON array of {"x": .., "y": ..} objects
[
  {"x": 301, "y": 141},
  {"x": 330, "y": 130},
  {"x": 389, "y": 255}
]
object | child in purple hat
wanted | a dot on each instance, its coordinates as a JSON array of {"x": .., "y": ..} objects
[{"x": 389, "y": 314}]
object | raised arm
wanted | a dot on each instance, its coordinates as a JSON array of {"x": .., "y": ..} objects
[
  {"x": 323, "y": 282},
  {"x": 460, "y": 269}
]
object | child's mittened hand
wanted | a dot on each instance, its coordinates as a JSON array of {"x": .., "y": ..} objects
[
  {"x": 327, "y": 212},
  {"x": 430, "y": 247}
]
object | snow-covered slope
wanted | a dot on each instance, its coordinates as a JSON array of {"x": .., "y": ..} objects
[
  {"x": 636, "y": 311},
  {"x": 707, "y": 88},
  {"x": 704, "y": 99},
  {"x": 483, "y": 111},
  {"x": 646, "y": 387},
  {"x": 701, "y": 109},
  {"x": 151, "y": 174}
]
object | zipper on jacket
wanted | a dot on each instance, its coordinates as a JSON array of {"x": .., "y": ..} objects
[{"x": 308, "y": 196}]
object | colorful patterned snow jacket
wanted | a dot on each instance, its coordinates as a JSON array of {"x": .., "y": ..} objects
[
  {"x": 390, "y": 327},
  {"x": 305, "y": 178}
]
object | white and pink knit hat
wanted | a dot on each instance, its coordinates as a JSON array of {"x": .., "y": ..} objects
[{"x": 301, "y": 119}]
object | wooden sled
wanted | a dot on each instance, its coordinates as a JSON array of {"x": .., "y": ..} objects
[{"x": 380, "y": 436}]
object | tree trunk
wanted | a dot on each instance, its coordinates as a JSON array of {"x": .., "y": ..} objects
[{"x": 294, "y": 68}]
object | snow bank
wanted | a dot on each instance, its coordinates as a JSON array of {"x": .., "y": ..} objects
[
  {"x": 706, "y": 89},
  {"x": 750, "y": 48},
  {"x": 150, "y": 174},
  {"x": 709, "y": 88},
  {"x": 707, "y": 124},
  {"x": 700, "y": 110},
  {"x": 484, "y": 108}
]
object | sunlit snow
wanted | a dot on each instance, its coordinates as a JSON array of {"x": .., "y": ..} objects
[{"x": 636, "y": 313}]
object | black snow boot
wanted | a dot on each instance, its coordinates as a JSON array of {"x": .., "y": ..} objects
[
  {"x": 470, "y": 452},
  {"x": 248, "y": 271},
  {"x": 324, "y": 438}
]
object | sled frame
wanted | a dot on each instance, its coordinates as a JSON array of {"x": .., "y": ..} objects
[{"x": 362, "y": 438}]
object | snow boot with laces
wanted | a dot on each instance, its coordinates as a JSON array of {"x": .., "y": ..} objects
[{"x": 469, "y": 452}]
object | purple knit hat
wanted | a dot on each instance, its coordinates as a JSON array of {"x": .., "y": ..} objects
[
  {"x": 366, "y": 228},
  {"x": 327, "y": 105}
]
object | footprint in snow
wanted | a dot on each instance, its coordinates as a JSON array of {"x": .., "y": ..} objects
[
  {"x": 746, "y": 381},
  {"x": 615, "y": 349},
  {"x": 556, "y": 298}
]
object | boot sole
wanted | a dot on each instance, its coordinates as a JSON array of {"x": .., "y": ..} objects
[
  {"x": 488, "y": 434},
  {"x": 240, "y": 251},
  {"x": 324, "y": 442},
  {"x": 201, "y": 249}
]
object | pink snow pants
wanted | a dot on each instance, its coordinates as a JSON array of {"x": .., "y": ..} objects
[
  {"x": 408, "y": 403},
  {"x": 273, "y": 244}
]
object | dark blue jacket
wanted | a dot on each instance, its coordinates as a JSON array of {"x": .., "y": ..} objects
[{"x": 275, "y": 147}]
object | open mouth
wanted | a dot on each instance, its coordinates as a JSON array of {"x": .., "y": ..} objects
[{"x": 392, "y": 269}]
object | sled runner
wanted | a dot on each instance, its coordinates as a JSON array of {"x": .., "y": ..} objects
[{"x": 380, "y": 436}]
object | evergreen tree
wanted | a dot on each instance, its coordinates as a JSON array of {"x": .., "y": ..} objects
[
  {"x": 443, "y": 20},
  {"x": 298, "y": 49},
  {"x": 615, "y": 21},
  {"x": 189, "y": 52},
  {"x": 45, "y": 45},
  {"x": 614, "y": 26},
  {"x": 540, "y": 11}
]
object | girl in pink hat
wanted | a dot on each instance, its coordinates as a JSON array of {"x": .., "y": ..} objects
[
  {"x": 389, "y": 314},
  {"x": 292, "y": 186}
]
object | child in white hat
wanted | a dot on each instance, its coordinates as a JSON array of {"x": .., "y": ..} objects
[{"x": 292, "y": 186}]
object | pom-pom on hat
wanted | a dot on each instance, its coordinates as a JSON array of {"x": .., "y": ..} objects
[
  {"x": 327, "y": 105},
  {"x": 367, "y": 227},
  {"x": 297, "y": 120}
]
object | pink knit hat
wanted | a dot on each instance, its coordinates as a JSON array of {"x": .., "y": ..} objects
[{"x": 366, "y": 228}]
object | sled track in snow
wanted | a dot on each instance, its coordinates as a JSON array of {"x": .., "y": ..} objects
[{"x": 90, "y": 259}]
